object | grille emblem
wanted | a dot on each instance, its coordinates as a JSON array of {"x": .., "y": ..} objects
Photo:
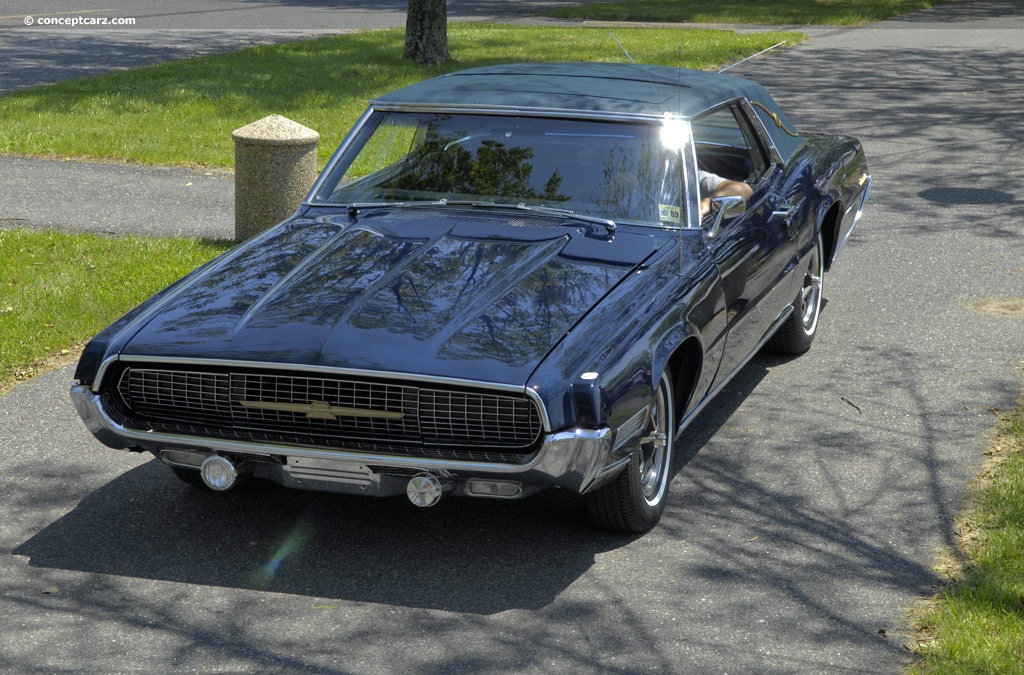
[{"x": 322, "y": 410}]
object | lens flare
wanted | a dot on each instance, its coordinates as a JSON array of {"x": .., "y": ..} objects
[
  {"x": 292, "y": 543},
  {"x": 675, "y": 133}
]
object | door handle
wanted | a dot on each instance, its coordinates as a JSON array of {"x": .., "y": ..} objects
[{"x": 786, "y": 212}]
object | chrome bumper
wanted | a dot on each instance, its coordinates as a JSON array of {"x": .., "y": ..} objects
[{"x": 578, "y": 460}]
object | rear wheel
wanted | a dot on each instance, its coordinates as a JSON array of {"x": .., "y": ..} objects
[
  {"x": 635, "y": 500},
  {"x": 797, "y": 333}
]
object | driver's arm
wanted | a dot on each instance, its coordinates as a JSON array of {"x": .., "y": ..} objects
[{"x": 725, "y": 189}]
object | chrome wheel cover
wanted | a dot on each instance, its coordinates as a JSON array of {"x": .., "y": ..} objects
[
  {"x": 654, "y": 451},
  {"x": 810, "y": 294}
]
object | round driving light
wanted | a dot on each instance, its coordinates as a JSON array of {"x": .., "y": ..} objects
[
  {"x": 218, "y": 473},
  {"x": 424, "y": 490}
]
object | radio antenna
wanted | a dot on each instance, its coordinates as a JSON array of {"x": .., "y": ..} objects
[
  {"x": 763, "y": 51},
  {"x": 622, "y": 48}
]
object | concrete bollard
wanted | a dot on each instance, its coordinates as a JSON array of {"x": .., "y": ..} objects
[{"x": 275, "y": 165}]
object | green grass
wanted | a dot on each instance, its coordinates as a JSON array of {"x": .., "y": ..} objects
[
  {"x": 184, "y": 112},
  {"x": 766, "y": 12},
  {"x": 58, "y": 289},
  {"x": 977, "y": 624}
]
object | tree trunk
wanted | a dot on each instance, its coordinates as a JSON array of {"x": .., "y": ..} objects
[{"x": 426, "y": 32}]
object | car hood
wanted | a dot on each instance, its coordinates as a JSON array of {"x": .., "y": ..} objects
[{"x": 447, "y": 292}]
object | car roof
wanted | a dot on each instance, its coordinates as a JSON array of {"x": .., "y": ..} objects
[
  {"x": 603, "y": 88},
  {"x": 598, "y": 87}
]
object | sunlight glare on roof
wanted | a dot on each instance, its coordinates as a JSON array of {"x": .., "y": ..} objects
[{"x": 674, "y": 133}]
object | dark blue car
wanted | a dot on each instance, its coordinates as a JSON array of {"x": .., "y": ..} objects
[{"x": 506, "y": 279}]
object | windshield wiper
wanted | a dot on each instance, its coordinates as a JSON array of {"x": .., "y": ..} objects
[
  {"x": 356, "y": 207},
  {"x": 359, "y": 206},
  {"x": 609, "y": 225},
  {"x": 546, "y": 210}
]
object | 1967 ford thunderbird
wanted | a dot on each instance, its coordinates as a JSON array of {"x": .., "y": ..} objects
[{"x": 504, "y": 281}]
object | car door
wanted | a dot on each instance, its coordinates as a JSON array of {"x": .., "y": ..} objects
[{"x": 751, "y": 251}]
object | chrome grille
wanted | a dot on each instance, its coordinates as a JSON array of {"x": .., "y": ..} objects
[
  {"x": 447, "y": 414},
  {"x": 367, "y": 396},
  {"x": 203, "y": 396},
  {"x": 330, "y": 412}
]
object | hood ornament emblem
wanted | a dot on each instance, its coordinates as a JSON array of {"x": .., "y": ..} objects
[{"x": 322, "y": 410}]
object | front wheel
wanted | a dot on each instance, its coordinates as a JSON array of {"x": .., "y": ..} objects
[
  {"x": 635, "y": 499},
  {"x": 797, "y": 333}
]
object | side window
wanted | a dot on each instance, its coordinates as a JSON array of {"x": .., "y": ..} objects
[{"x": 727, "y": 145}]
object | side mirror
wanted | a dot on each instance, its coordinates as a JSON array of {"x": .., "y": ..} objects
[{"x": 725, "y": 208}]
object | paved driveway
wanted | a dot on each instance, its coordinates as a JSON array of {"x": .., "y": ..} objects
[
  {"x": 38, "y": 53},
  {"x": 803, "y": 518}
]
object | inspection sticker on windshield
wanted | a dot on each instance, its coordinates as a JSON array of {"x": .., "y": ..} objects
[{"x": 669, "y": 214}]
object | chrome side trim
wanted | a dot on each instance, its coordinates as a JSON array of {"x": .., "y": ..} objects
[
  {"x": 329, "y": 370},
  {"x": 632, "y": 427}
]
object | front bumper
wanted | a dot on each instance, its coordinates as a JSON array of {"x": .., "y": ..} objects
[{"x": 579, "y": 460}]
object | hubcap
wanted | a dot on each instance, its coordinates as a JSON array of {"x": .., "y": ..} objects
[
  {"x": 810, "y": 295},
  {"x": 653, "y": 466}
]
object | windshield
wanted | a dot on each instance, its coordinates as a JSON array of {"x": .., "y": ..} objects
[{"x": 618, "y": 171}]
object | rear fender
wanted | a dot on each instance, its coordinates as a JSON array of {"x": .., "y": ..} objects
[{"x": 828, "y": 222}]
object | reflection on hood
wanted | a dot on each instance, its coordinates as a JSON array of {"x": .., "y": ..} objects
[{"x": 401, "y": 291}]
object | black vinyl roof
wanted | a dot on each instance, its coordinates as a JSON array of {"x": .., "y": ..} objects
[
  {"x": 612, "y": 88},
  {"x": 600, "y": 87}
]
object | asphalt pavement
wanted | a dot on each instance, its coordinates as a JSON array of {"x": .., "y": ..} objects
[
  {"x": 35, "y": 52},
  {"x": 809, "y": 501}
]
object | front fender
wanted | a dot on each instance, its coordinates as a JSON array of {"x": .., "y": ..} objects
[{"x": 607, "y": 368}]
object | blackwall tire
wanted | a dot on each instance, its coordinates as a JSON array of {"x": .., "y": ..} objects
[
  {"x": 635, "y": 499},
  {"x": 796, "y": 335}
]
